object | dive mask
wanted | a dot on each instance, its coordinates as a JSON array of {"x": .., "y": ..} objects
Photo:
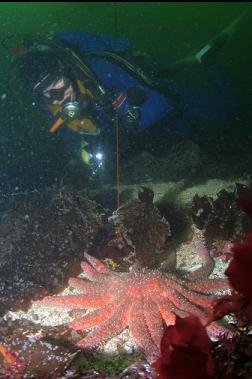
[{"x": 52, "y": 89}]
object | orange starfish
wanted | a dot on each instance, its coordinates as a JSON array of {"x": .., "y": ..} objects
[
  {"x": 143, "y": 302},
  {"x": 13, "y": 366}
]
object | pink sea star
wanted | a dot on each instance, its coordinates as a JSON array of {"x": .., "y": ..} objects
[{"x": 143, "y": 302}]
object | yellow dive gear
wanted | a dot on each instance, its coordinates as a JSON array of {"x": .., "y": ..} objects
[
  {"x": 85, "y": 155},
  {"x": 56, "y": 125},
  {"x": 80, "y": 125}
]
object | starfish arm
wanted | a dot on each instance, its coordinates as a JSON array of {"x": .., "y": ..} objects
[
  {"x": 139, "y": 330},
  {"x": 181, "y": 302},
  {"x": 85, "y": 286},
  {"x": 77, "y": 301},
  {"x": 207, "y": 267},
  {"x": 201, "y": 273},
  {"x": 153, "y": 319},
  {"x": 97, "y": 264},
  {"x": 169, "y": 311},
  {"x": 185, "y": 305},
  {"x": 215, "y": 329},
  {"x": 193, "y": 296},
  {"x": 97, "y": 317},
  {"x": 90, "y": 272},
  {"x": 199, "y": 299},
  {"x": 210, "y": 285},
  {"x": 108, "y": 329}
]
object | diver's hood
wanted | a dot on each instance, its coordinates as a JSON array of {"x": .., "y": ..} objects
[{"x": 37, "y": 66}]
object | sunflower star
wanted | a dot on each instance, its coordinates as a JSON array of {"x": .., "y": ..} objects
[{"x": 143, "y": 302}]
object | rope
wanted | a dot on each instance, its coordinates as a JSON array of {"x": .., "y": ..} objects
[{"x": 117, "y": 80}]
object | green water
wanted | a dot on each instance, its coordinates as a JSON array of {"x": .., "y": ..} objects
[{"x": 168, "y": 31}]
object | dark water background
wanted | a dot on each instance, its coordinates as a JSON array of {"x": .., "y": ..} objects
[{"x": 30, "y": 158}]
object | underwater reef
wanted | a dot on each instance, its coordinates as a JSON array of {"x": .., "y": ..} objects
[
  {"x": 170, "y": 314},
  {"x": 221, "y": 219},
  {"x": 42, "y": 237}
]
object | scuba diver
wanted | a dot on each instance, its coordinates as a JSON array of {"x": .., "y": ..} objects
[{"x": 85, "y": 82}]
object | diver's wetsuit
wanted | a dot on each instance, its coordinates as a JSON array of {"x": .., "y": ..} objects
[
  {"x": 115, "y": 78},
  {"x": 218, "y": 103}
]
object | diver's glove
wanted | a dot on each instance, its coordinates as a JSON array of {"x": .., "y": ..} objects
[
  {"x": 85, "y": 155},
  {"x": 95, "y": 162}
]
